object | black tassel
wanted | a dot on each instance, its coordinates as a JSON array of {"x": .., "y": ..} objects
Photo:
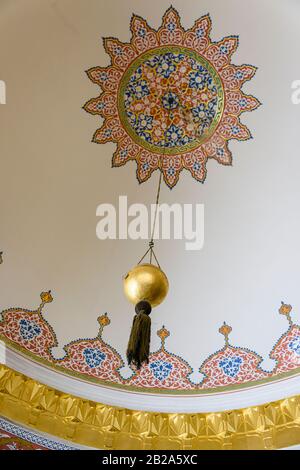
[{"x": 138, "y": 348}]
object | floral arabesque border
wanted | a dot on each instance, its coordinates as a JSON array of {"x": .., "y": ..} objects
[{"x": 97, "y": 361}]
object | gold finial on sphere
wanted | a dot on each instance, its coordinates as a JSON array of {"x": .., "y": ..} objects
[{"x": 146, "y": 282}]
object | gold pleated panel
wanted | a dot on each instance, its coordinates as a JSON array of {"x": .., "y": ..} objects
[{"x": 42, "y": 408}]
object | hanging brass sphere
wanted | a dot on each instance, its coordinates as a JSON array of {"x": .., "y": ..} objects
[{"x": 146, "y": 282}]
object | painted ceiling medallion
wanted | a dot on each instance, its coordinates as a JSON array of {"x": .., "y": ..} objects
[{"x": 171, "y": 98}]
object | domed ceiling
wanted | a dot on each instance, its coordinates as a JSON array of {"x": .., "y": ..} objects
[{"x": 169, "y": 88}]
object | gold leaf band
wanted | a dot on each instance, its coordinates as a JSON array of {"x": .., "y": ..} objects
[{"x": 28, "y": 402}]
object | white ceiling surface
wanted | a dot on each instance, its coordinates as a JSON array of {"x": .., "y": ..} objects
[{"x": 53, "y": 178}]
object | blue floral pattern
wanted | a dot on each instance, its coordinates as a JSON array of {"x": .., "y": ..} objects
[
  {"x": 199, "y": 33},
  {"x": 144, "y": 122},
  {"x": 93, "y": 357},
  {"x": 165, "y": 64},
  {"x": 231, "y": 365},
  {"x": 294, "y": 345},
  {"x": 175, "y": 136},
  {"x": 29, "y": 329},
  {"x": 138, "y": 89},
  {"x": 161, "y": 369},
  {"x": 158, "y": 89},
  {"x": 170, "y": 100}
]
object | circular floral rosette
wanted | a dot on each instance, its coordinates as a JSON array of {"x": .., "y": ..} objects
[{"x": 171, "y": 98}]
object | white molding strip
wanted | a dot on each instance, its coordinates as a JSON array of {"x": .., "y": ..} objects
[{"x": 212, "y": 402}]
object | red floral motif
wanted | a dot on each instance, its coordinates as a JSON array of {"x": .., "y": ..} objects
[
  {"x": 176, "y": 380},
  {"x": 198, "y": 36},
  {"x": 147, "y": 163},
  {"x": 195, "y": 162},
  {"x": 107, "y": 78},
  {"x": 121, "y": 54},
  {"x": 287, "y": 350},
  {"x": 237, "y": 102},
  {"x": 111, "y": 130},
  {"x": 104, "y": 105},
  {"x": 164, "y": 371},
  {"x": 143, "y": 37},
  {"x": 217, "y": 148},
  {"x": 220, "y": 53},
  {"x": 127, "y": 150},
  {"x": 171, "y": 167},
  {"x": 39, "y": 342},
  {"x": 235, "y": 76},
  {"x": 76, "y": 360},
  {"x": 243, "y": 368},
  {"x": 231, "y": 365},
  {"x": 231, "y": 128},
  {"x": 171, "y": 31}
]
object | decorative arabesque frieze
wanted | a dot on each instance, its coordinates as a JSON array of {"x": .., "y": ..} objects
[{"x": 96, "y": 360}]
